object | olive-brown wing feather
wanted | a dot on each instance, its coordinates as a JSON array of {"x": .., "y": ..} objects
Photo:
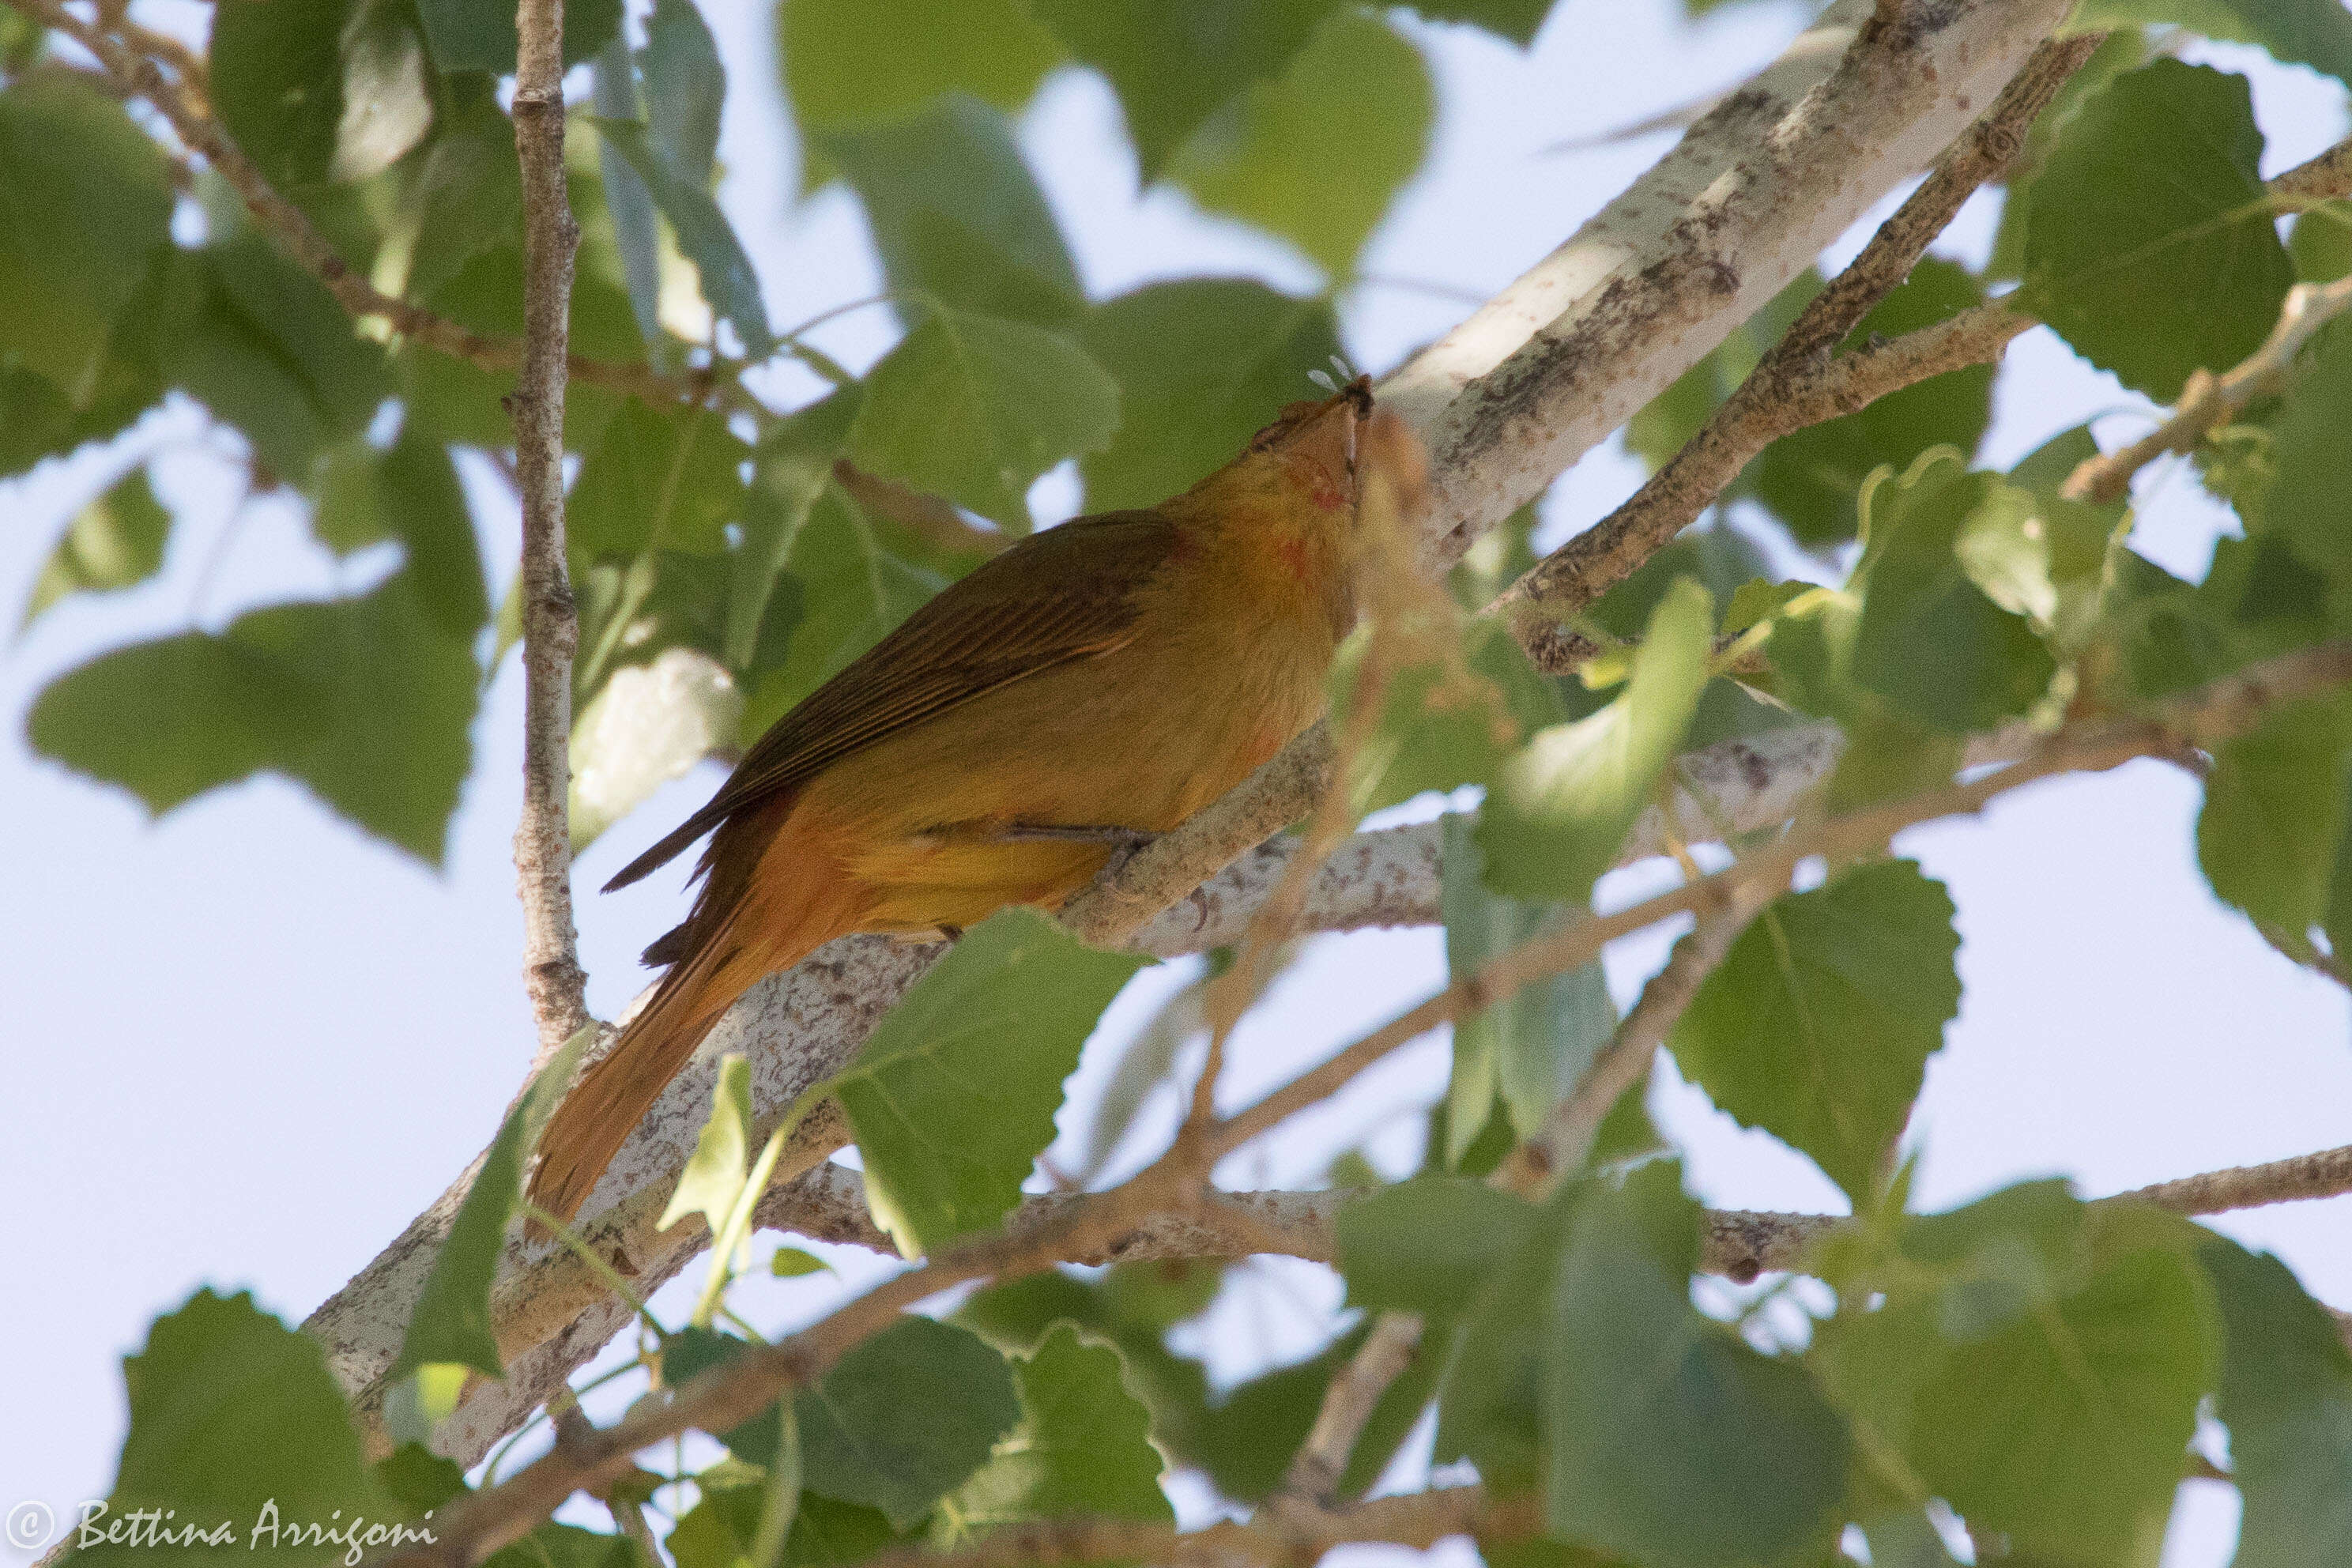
[{"x": 1067, "y": 594}]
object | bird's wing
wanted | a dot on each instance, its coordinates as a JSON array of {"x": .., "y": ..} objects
[{"x": 1067, "y": 593}]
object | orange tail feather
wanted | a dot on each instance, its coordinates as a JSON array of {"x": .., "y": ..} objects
[{"x": 772, "y": 925}]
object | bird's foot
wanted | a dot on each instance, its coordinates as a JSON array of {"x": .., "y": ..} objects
[{"x": 1125, "y": 842}]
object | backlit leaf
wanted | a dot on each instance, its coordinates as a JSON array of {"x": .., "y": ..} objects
[
  {"x": 1819, "y": 1024},
  {"x": 2151, "y": 248}
]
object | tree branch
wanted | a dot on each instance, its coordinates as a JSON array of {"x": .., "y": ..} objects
[
  {"x": 1803, "y": 390},
  {"x": 829, "y": 1204},
  {"x": 1765, "y": 406},
  {"x": 2325, "y": 178},
  {"x": 551, "y": 626},
  {"x": 2209, "y": 401}
]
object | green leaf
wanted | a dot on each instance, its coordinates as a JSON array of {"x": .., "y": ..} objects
[
  {"x": 666, "y": 479},
  {"x": 240, "y": 328},
  {"x": 721, "y": 1528},
  {"x": 713, "y": 1177},
  {"x": 1490, "y": 1408},
  {"x": 848, "y": 63},
  {"x": 37, "y": 419},
  {"x": 2036, "y": 1362},
  {"x": 685, "y": 87},
  {"x": 905, "y": 1418},
  {"x": 1203, "y": 363},
  {"x": 730, "y": 286},
  {"x": 85, "y": 203},
  {"x": 2066, "y": 1428},
  {"x": 343, "y": 374},
  {"x": 2309, "y": 504},
  {"x": 1527, "y": 1051},
  {"x": 1516, "y": 20},
  {"x": 2274, "y": 813},
  {"x": 408, "y": 492},
  {"x": 451, "y": 1321},
  {"x": 790, "y": 468},
  {"x": 1428, "y": 1245},
  {"x": 2150, "y": 246},
  {"x": 1671, "y": 1442},
  {"x": 467, "y": 199},
  {"x": 2316, "y": 33},
  {"x": 2125, "y": 48},
  {"x": 1316, "y": 155},
  {"x": 1810, "y": 478},
  {"x": 1172, "y": 67},
  {"x": 1559, "y": 812},
  {"x": 851, "y": 592},
  {"x": 1017, "y": 1315},
  {"x": 2286, "y": 1394},
  {"x": 958, "y": 216},
  {"x": 2321, "y": 242},
  {"x": 1930, "y": 642},
  {"x": 479, "y": 34},
  {"x": 953, "y": 1096},
  {"x": 793, "y": 1262},
  {"x": 113, "y": 542},
  {"x": 1819, "y": 1024},
  {"x": 365, "y": 700},
  {"x": 975, "y": 408},
  {"x": 2037, "y": 554},
  {"x": 236, "y": 1419},
  {"x": 1083, "y": 1448}
]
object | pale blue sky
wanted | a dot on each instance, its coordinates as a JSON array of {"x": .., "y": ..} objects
[{"x": 247, "y": 1044}]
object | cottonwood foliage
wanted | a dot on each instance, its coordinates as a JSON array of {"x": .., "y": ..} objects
[{"x": 2028, "y": 1365}]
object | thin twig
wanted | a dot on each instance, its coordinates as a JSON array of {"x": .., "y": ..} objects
[
  {"x": 550, "y": 626},
  {"x": 1311, "y": 1485},
  {"x": 2209, "y": 401},
  {"x": 2320, "y": 1175},
  {"x": 1765, "y": 406},
  {"x": 2325, "y": 178}
]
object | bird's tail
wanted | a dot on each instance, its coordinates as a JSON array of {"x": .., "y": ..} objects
[{"x": 749, "y": 937}]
